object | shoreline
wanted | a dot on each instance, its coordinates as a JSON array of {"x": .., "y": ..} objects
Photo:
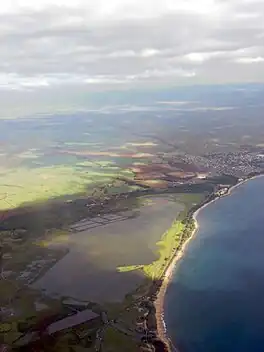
[{"x": 166, "y": 279}]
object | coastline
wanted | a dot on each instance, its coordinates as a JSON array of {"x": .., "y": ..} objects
[{"x": 159, "y": 302}]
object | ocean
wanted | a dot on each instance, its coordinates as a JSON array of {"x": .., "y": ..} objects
[{"x": 215, "y": 301}]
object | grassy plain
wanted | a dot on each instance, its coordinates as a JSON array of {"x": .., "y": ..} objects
[
  {"x": 27, "y": 185},
  {"x": 114, "y": 338}
]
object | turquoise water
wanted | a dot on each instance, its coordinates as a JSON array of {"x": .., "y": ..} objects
[{"x": 216, "y": 299}]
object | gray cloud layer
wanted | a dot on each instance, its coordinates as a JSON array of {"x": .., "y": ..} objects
[{"x": 127, "y": 43}]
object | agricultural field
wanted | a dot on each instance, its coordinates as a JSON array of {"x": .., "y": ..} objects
[
  {"x": 61, "y": 158},
  {"x": 23, "y": 186}
]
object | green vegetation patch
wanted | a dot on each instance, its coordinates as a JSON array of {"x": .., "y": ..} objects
[
  {"x": 22, "y": 186},
  {"x": 167, "y": 246},
  {"x": 170, "y": 240},
  {"x": 117, "y": 341},
  {"x": 125, "y": 269}
]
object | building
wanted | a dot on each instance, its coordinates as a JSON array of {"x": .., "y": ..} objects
[{"x": 202, "y": 175}]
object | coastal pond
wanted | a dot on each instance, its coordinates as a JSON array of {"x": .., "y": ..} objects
[{"x": 89, "y": 270}]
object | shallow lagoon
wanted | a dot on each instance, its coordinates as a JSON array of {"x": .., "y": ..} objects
[{"x": 89, "y": 270}]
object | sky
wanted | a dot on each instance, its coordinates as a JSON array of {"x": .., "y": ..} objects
[{"x": 80, "y": 46}]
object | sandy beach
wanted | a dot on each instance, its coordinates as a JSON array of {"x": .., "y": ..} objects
[{"x": 159, "y": 303}]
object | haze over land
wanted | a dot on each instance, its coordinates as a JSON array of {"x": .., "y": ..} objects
[{"x": 61, "y": 155}]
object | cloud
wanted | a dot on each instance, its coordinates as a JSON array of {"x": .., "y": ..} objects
[
  {"x": 128, "y": 43},
  {"x": 250, "y": 60},
  {"x": 203, "y": 56}
]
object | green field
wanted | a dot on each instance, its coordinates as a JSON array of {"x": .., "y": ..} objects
[
  {"x": 115, "y": 341},
  {"x": 24, "y": 185}
]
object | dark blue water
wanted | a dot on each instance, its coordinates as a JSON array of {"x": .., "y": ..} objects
[{"x": 216, "y": 300}]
